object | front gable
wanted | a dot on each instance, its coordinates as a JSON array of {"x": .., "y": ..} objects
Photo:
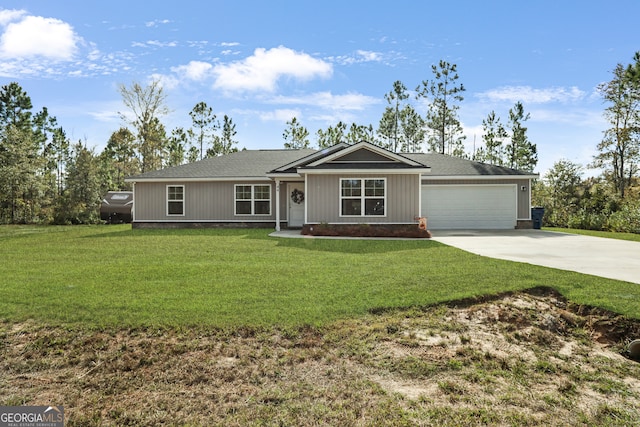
[{"x": 364, "y": 157}]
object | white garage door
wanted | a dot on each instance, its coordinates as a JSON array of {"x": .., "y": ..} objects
[{"x": 469, "y": 206}]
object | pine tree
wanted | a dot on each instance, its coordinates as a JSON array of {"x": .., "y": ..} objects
[
  {"x": 80, "y": 201},
  {"x": 493, "y": 137},
  {"x": 295, "y": 135},
  {"x": 203, "y": 132},
  {"x": 21, "y": 163},
  {"x": 520, "y": 152},
  {"x": 445, "y": 132}
]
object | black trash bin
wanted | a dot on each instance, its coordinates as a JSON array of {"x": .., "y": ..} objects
[{"x": 536, "y": 216}]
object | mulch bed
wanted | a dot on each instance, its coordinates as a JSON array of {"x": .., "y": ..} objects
[{"x": 366, "y": 230}]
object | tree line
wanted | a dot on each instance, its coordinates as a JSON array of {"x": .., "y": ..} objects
[
  {"x": 402, "y": 129},
  {"x": 47, "y": 178},
  {"x": 611, "y": 200}
]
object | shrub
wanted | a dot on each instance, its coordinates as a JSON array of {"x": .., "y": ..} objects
[
  {"x": 586, "y": 220},
  {"x": 627, "y": 219}
]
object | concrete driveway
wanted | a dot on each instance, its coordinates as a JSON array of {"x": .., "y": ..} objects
[{"x": 611, "y": 258}]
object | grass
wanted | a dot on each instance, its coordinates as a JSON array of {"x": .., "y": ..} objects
[
  {"x": 103, "y": 276},
  {"x": 354, "y": 372},
  {"x": 232, "y": 327},
  {"x": 606, "y": 234}
]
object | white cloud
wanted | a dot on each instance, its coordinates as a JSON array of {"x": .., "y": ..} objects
[
  {"x": 158, "y": 43},
  {"x": 529, "y": 95},
  {"x": 262, "y": 70},
  {"x": 473, "y": 139},
  {"x": 280, "y": 115},
  {"x": 197, "y": 71},
  {"x": 156, "y": 22},
  {"x": 107, "y": 116},
  {"x": 199, "y": 44},
  {"x": 358, "y": 57},
  {"x": 166, "y": 81},
  {"x": 368, "y": 55},
  {"x": 194, "y": 70},
  {"x": 579, "y": 116},
  {"x": 326, "y": 100},
  {"x": 154, "y": 43},
  {"x": 37, "y": 36},
  {"x": 7, "y": 15},
  {"x": 94, "y": 53}
]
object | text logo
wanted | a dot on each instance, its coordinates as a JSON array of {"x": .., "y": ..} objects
[{"x": 31, "y": 416}]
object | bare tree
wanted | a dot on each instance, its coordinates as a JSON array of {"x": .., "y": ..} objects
[
  {"x": 619, "y": 150},
  {"x": 147, "y": 105}
]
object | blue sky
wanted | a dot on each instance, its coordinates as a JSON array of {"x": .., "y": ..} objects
[{"x": 263, "y": 62}]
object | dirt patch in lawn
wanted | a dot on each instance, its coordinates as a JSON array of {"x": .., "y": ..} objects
[{"x": 519, "y": 359}]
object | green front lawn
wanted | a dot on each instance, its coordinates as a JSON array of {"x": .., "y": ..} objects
[{"x": 99, "y": 276}]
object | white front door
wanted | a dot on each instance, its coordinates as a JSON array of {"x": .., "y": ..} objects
[{"x": 296, "y": 203}]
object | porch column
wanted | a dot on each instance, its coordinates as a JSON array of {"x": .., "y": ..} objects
[
  {"x": 133, "y": 206},
  {"x": 277, "y": 204}
]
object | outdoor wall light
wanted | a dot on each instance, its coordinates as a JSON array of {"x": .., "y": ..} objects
[{"x": 523, "y": 188}]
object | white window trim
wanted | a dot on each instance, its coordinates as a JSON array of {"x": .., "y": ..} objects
[
  {"x": 252, "y": 200},
  {"x": 363, "y": 198},
  {"x": 174, "y": 201}
]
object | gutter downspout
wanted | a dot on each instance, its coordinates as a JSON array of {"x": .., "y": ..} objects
[{"x": 277, "y": 204}]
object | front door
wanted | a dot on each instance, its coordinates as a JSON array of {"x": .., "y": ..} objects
[{"x": 296, "y": 203}]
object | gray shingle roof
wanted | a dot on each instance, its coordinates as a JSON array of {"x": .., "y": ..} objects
[
  {"x": 257, "y": 163},
  {"x": 242, "y": 164},
  {"x": 443, "y": 165}
]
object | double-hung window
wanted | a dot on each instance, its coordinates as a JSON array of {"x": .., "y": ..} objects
[
  {"x": 175, "y": 200},
  {"x": 252, "y": 199},
  {"x": 362, "y": 197}
]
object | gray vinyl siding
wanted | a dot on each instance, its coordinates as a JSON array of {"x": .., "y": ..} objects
[
  {"x": 402, "y": 199},
  {"x": 524, "y": 197},
  {"x": 203, "y": 201}
]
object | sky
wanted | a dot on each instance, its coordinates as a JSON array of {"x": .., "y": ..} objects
[{"x": 264, "y": 62}]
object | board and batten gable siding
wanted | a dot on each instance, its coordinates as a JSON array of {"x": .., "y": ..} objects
[
  {"x": 524, "y": 197},
  {"x": 362, "y": 156},
  {"x": 402, "y": 199},
  {"x": 203, "y": 201}
]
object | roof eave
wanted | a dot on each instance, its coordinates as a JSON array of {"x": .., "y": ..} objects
[
  {"x": 397, "y": 171},
  {"x": 199, "y": 179},
  {"x": 462, "y": 177},
  {"x": 290, "y": 176}
]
